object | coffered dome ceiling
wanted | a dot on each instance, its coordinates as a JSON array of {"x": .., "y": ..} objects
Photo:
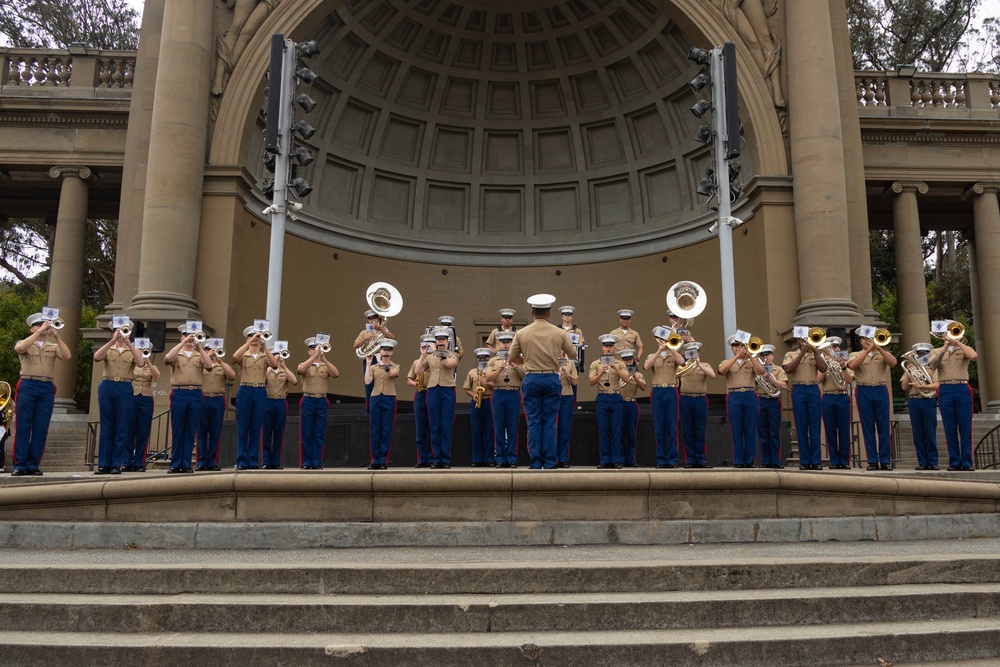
[{"x": 535, "y": 132}]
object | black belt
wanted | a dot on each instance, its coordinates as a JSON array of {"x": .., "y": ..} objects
[
  {"x": 953, "y": 382},
  {"x": 215, "y": 394},
  {"x": 37, "y": 378},
  {"x": 630, "y": 400},
  {"x": 805, "y": 383},
  {"x": 186, "y": 386},
  {"x": 740, "y": 390},
  {"x": 835, "y": 393},
  {"x": 251, "y": 384},
  {"x": 694, "y": 395},
  {"x": 542, "y": 372},
  {"x": 871, "y": 384},
  {"x": 609, "y": 392},
  {"x": 117, "y": 379},
  {"x": 506, "y": 389}
]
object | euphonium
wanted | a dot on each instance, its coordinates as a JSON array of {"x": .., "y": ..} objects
[
  {"x": 833, "y": 368},
  {"x": 766, "y": 386},
  {"x": 882, "y": 337},
  {"x": 6, "y": 403},
  {"x": 916, "y": 372}
]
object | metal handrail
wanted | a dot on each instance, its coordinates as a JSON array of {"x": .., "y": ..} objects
[
  {"x": 158, "y": 432},
  {"x": 987, "y": 451}
]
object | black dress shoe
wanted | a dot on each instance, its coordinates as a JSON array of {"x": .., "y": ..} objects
[
  {"x": 127, "y": 469},
  {"x": 562, "y": 465},
  {"x": 702, "y": 466},
  {"x": 631, "y": 465},
  {"x": 872, "y": 466},
  {"x": 187, "y": 470},
  {"x": 513, "y": 465},
  {"x": 277, "y": 467},
  {"x": 805, "y": 466},
  {"x": 920, "y": 468},
  {"x": 171, "y": 471},
  {"x": 139, "y": 469},
  {"x": 503, "y": 465},
  {"x": 103, "y": 470},
  {"x": 967, "y": 469},
  {"x": 885, "y": 466},
  {"x": 932, "y": 467},
  {"x": 200, "y": 468},
  {"x": 17, "y": 472},
  {"x": 817, "y": 466},
  {"x": 116, "y": 471},
  {"x": 954, "y": 468},
  {"x": 247, "y": 467},
  {"x": 422, "y": 464},
  {"x": 374, "y": 466},
  {"x": 445, "y": 466}
]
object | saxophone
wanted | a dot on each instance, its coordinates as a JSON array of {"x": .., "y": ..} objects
[
  {"x": 480, "y": 390},
  {"x": 420, "y": 382}
]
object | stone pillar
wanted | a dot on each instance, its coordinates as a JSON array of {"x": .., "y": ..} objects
[
  {"x": 911, "y": 288},
  {"x": 66, "y": 278},
  {"x": 977, "y": 316},
  {"x": 818, "y": 170},
  {"x": 175, "y": 175},
  {"x": 986, "y": 216}
]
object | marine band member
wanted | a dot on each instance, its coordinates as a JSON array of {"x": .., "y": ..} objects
[
  {"x": 694, "y": 406},
  {"x": 505, "y": 376},
  {"x": 630, "y": 409},
  {"x": 802, "y": 364},
  {"x": 382, "y": 373},
  {"x": 872, "y": 396},
  {"x": 836, "y": 404},
  {"x": 575, "y": 336},
  {"x": 276, "y": 410},
  {"x": 627, "y": 337},
  {"x": 376, "y": 325},
  {"x": 213, "y": 406},
  {"x": 481, "y": 418},
  {"x": 187, "y": 359},
  {"x": 314, "y": 407},
  {"x": 951, "y": 361},
  {"x": 119, "y": 358},
  {"x": 506, "y": 324},
  {"x": 769, "y": 413},
  {"x": 741, "y": 400},
  {"x": 605, "y": 374},
  {"x": 923, "y": 410},
  {"x": 253, "y": 359},
  {"x": 663, "y": 398},
  {"x": 417, "y": 378},
  {"x": 441, "y": 398}
]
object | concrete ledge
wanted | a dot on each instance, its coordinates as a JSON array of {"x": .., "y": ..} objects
[{"x": 493, "y": 496}]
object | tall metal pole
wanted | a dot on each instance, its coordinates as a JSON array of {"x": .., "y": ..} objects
[{"x": 720, "y": 149}]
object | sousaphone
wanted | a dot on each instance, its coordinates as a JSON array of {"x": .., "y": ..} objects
[
  {"x": 387, "y": 302},
  {"x": 686, "y": 300}
]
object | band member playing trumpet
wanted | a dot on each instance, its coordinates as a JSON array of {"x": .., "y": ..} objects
[
  {"x": 663, "y": 399},
  {"x": 741, "y": 400},
  {"x": 606, "y": 374},
  {"x": 769, "y": 410},
  {"x": 802, "y": 364},
  {"x": 836, "y": 404},
  {"x": 569, "y": 376},
  {"x": 872, "y": 395},
  {"x": 187, "y": 359},
  {"x": 114, "y": 398},
  {"x": 694, "y": 406},
  {"x": 480, "y": 391},
  {"x": 276, "y": 410},
  {"x": 376, "y": 326},
  {"x": 316, "y": 372},
  {"x": 254, "y": 359},
  {"x": 213, "y": 407},
  {"x": 951, "y": 361},
  {"x": 382, "y": 374},
  {"x": 506, "y": 401},
  {"x": 441, "y": 398},
  {"x": 627, "y": 337},
  {"x": 506, "y": 324},
  {"x": 35, "y": 393},
  {"x": 143, "y": 378},
  {"x": 417, "y": 378},
  {"x": 630, "y": 409},
  {"x": 921, "y": 403}
]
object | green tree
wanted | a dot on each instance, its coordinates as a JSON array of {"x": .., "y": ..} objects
[{"x": 102, "y": 24}]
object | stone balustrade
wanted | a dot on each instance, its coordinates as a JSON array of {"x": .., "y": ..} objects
[
  {"x": 928, "y": 93},
  {"x": 43, "y": 72}
]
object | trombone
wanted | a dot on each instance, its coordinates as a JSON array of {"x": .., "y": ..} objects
[
  {"x": 955, "y": 332},
  {"x": 815, "y": 337},
  {"x": 882, "y": 337},
  {"x": 754, "y": 345}
]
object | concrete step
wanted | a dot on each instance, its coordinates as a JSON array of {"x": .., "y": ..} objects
[
  {"x": 562, "y": 612},
  {"x": 801, "y": 646}
]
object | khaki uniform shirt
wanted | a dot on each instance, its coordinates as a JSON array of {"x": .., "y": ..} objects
[
  {"x": 439, "y": 376},
  {"x": 142, "y": 381},
  {"x": 740, "y": 375},
  {"x": 317, "y": 379},
  {"x": 540, "y": 343},
  {"x": 213, "y": 380},
  {"x": 613, "y": 379},
  {"x": 383, "y": 384},
  {"x": 514, "y": 374},
  {"x": 805, "y": 372},
  {"x": 567, "y": 384},
  {"x": 664, "y": 369},
  {"x": 492, "y": 339},
  {"x": 417, "y": 370},
  {"x": 694, "y": 381},
  {"x": 779, "y": 374},
  {"x": 953, "y": 367},
  {"x": 39, "y": 360},
  {"x": 627, "y": 340},
  {"x": 186, "y": 370},
  {"x": 872, "y": 369},
  {"x": 118, "y": 364},
  {"x": 276, "y": 382},
  {"x": 253, "y": 371},
  {"x": 630, "y": 388},
  {"x": 913, "y": 392},
  {"x": 472, "y": 381}
]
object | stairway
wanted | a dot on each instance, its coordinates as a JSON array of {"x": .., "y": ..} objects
[{"x": 726, "y": 611}]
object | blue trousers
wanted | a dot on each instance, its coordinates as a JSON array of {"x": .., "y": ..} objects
[
  {"x": 481, "y": 423},
  {"x": 506, "y": 410},
  {"x": 441, "y": 402},
  {"x": 249, "y": 424},
  {"x": 142, "y": 423},
  {"x": 837, "y": 423},
  {"x": 808, "y": 420},
  {"x": 382, "y": 416},
  {"x": 213, "y": 410},
  {"x": 541, "y": 392},
  {"x": 275, "y": 416},
  {"x": 630, "y": 428},
  {"x": 312, "y": 430},
  {"x": 956, "y": 417},
  {"x": 114, "y": 399},
  {"x": 33, "y": 401},
  {"x": 873, "y": 409},
  {"x": 564, "y": 428},
  {"x": 421, "y": 423},
  {"x": 368, "y": 386},
  {"x": 665, "y": 404},
  {"x": 923, "y": 419},
  {"x": 694, "y": 416},
  {"x": 609, "y": 429},
  {"x": 742, "y": 409},
  {"x": 769, "y": 430},
  {"x": 185, "y": 414}
]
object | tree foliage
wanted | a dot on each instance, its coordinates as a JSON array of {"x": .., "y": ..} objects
[{"x": 102, "y": 24}]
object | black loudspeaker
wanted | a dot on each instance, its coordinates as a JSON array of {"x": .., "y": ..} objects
[
  {"x": 138, "y": 330},
  {"x": 156, "y": 332}
]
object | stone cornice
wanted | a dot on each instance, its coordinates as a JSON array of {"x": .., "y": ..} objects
[{"x": 114, "y": 119}]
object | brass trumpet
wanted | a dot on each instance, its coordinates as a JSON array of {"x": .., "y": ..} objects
[
  {"x": 284, "y": 354},
  {"x": 57, "y": 323},
  {"x": 126, "y": 330},
  {"x": 146, "y": 353}
]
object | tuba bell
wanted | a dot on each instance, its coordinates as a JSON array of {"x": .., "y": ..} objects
[
  {"x": 687, "y": 300},
  {"x": 916, "y": 372},
  {"x": 6, "y": 403},
  {"x": 387, "y": 302}
]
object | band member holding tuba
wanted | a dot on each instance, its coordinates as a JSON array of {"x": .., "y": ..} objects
[
  {"x": 836, "y": 403},
  {"x": 254, "y": 359},
  {"x": 694, "y": 406},
  {"x": 441, "y": 397},
  {"x": 143, "y": 378},
  {"x": 606, "y": 374},
  {"x": 115, "y": 396},
  {"x": 506, "y": 324},
  {"x": 920, "y": 386},
  {"x": 627, "y": 337},
  {"x": 417, "y": 378},
  {"x": 316, "y": 372},
  {"x": 663, "y": 400},
  {"x": 741, "y": 399},
  {"x": 951, "y": 361},
  {"x": 630, "y": 409},
  {"x": 769, "y": 408},
  {"x": 802, "y": 364},
  {"x": 374, "y": 330},
  {"x": 569, "y": 376},
  {"x": 276, "y": 406},
  {"x": 35, "y": 393},
  {"x": 576, "y": 337},
  {"x": 872, "y": 395},
  {"x": 382, "y": 374},
  {"x": 506, "y": 401},
  {"x": 187, "y": 359},
  {"x": 213, "y": 407},
  {"x": 480, "y": 391}
]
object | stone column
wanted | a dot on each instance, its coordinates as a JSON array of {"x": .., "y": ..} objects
[
  {"x": 977, "y": 316},
  {"x": 66, "y": 277},
  {"x": 986, "y": 217},
  {"x": 819, "y": 180},
  {"x": 175, "y": 175},
  {"x": 911, "y": 288}
]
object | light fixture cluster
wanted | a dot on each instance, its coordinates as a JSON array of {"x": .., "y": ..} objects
[{"x": 718, "y": 75}]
